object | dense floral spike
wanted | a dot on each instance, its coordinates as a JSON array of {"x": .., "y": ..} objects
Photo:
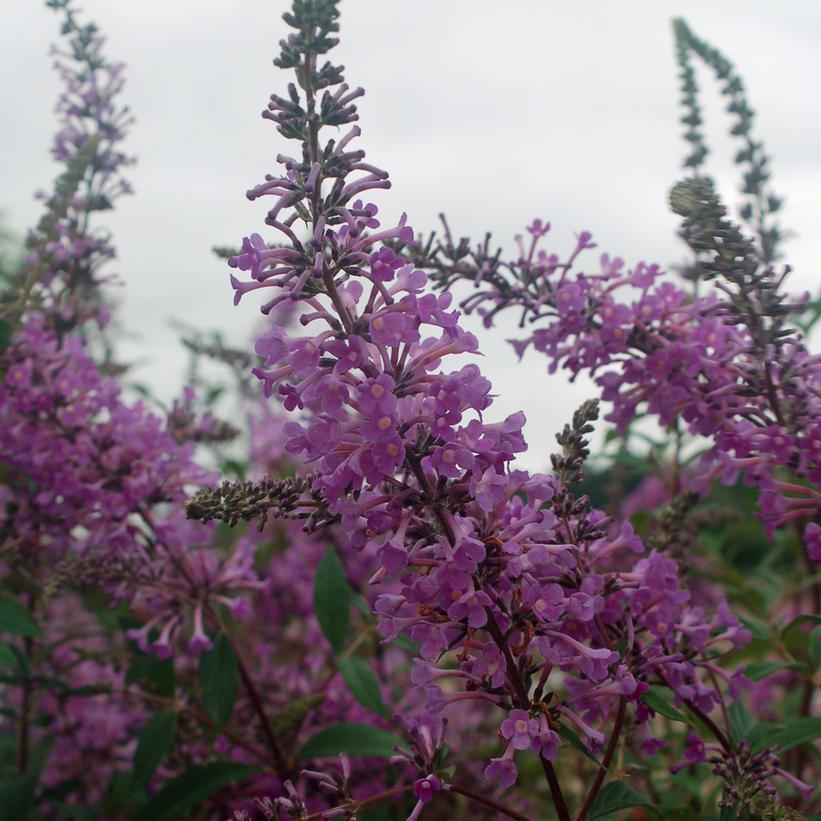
[
  {"x": 83, "y": 462},
  {"x": 761, "y": 203},
  {"x": 522, "y": 588},
  {"x": 89, "y": 718},
  {"x": 89, "y": 482},
  {"x": 62, "y": 271},
  {"x": 747, "y": 778},
  {"x": 233, "y": 501},
  {"x": 186, "y": 425},
  {"x": 727, "y": 363}
]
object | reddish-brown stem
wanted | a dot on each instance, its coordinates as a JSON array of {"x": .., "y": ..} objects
[
  {"x": 605, "y": 636},
  {"x": 488, "y": 802},
  {"x": 25, "y": 701},
  {"x": 719, "y": 734},
  {"x": 280, "y": 763},
  {"x": 772, "y": 396},
  {"x": 521, "y": 699},
  {"x": 416, "y": 468},
  {"x": 277, "y": 756},
  {"x": 555, "y": 790},
  {"x": 363, "y": 802},
  {"x": 800, "y": 753},
  {"x": 519, "y": 693},
  {"x": 454, "y": 788},
  {"x": 605, "y": 763},
  {"x": 314, "y": 155},
  {"x": 722, "y": 705},
  {"x": 330, "y": 287},
  {"x": 203, "y": 718}
]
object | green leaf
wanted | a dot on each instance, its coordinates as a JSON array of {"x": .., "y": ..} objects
[
  {"x": 75, "y": 812},
  {"x": 61, "y": 790},
  {"x": 380, "y": 811},
  {"x": 406, "y": 644},
  {"x": 761, "y": 732},
  {"x": 7, "y": 656},
  {"x": 657, "y": 698},
  {"x": 742, "y": 722},
  {"x": 219, "y": 676},
  {"x": 17, "y": 795},
  {"x": 796, "y": 731},
  {"x": 363, "y": 683},
  {"x": 354, "y": 739},
  {"x": 761, "y": 669},
  {"x": 23, "y": 666},
  {"x": 573, "y": 737},
  {"x": 332, "y": 599},
  {"x": 5, "y": 334},
  {"x": 744, "y": 544},
  {"x": 155, "y": 675},
  {"x": 361, "y": 604},
  {"x": 154, "y": 742},
  {"x": 193, "y": 787},
  {"x": 118, "y": 791},
  {"x": 799, "y": 621},
  {"x": 759, "y": 631},
  {"x": 290, "y": 717},
  {"x": 616, "y": 796},
  {"x": 15, "y": 619},
  {"x": 679, "y": 813},
  {"x": 235, "y": 467},
  {"x": 814, "y": 648}
]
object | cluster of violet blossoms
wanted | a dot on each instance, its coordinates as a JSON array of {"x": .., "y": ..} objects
[
  {"x": 94, "y": 492},
  {"x": 91, "y": 500},
  {"x": 723, "y": 363},
  {"x": 93, "y": 484},
  {"x": 85, "y": 461},
  {"x": 538, "y": 609},
  {"x": 63, "y": 269}
]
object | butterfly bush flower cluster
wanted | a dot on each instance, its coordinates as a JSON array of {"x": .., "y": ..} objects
[
  {"x": 97, "y": 482},
  {"x": 92, "y": 496},
  {"x": 414, "y": 624},
  {"x": 95, "y": 490},
  {"x": 90, "y": 717},
  {"x": 66, "y": 253},
  {"x": 94, "y": 460},
  {"x": 92, "y": 484},
  {"x": 725, "y": 363},
  {"x": 541, "y": 609}
]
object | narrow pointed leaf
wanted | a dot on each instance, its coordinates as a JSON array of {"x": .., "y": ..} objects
[
  {"x": 614, "y": 797},
  {"x": 191, "y": 788},
  {"x": 219, "y": 677},
  {"x": 332, "y": 599},
  {"x": 656, "y": 699},
  {"x": 363, "y": 684},
  {"x": 354, "y": 739},
  {"x": 15, "y": 619},
  {"x": 154, "y": 742}
]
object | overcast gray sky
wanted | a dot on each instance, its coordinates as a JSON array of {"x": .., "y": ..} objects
[{"x": 495, "y": 112}]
